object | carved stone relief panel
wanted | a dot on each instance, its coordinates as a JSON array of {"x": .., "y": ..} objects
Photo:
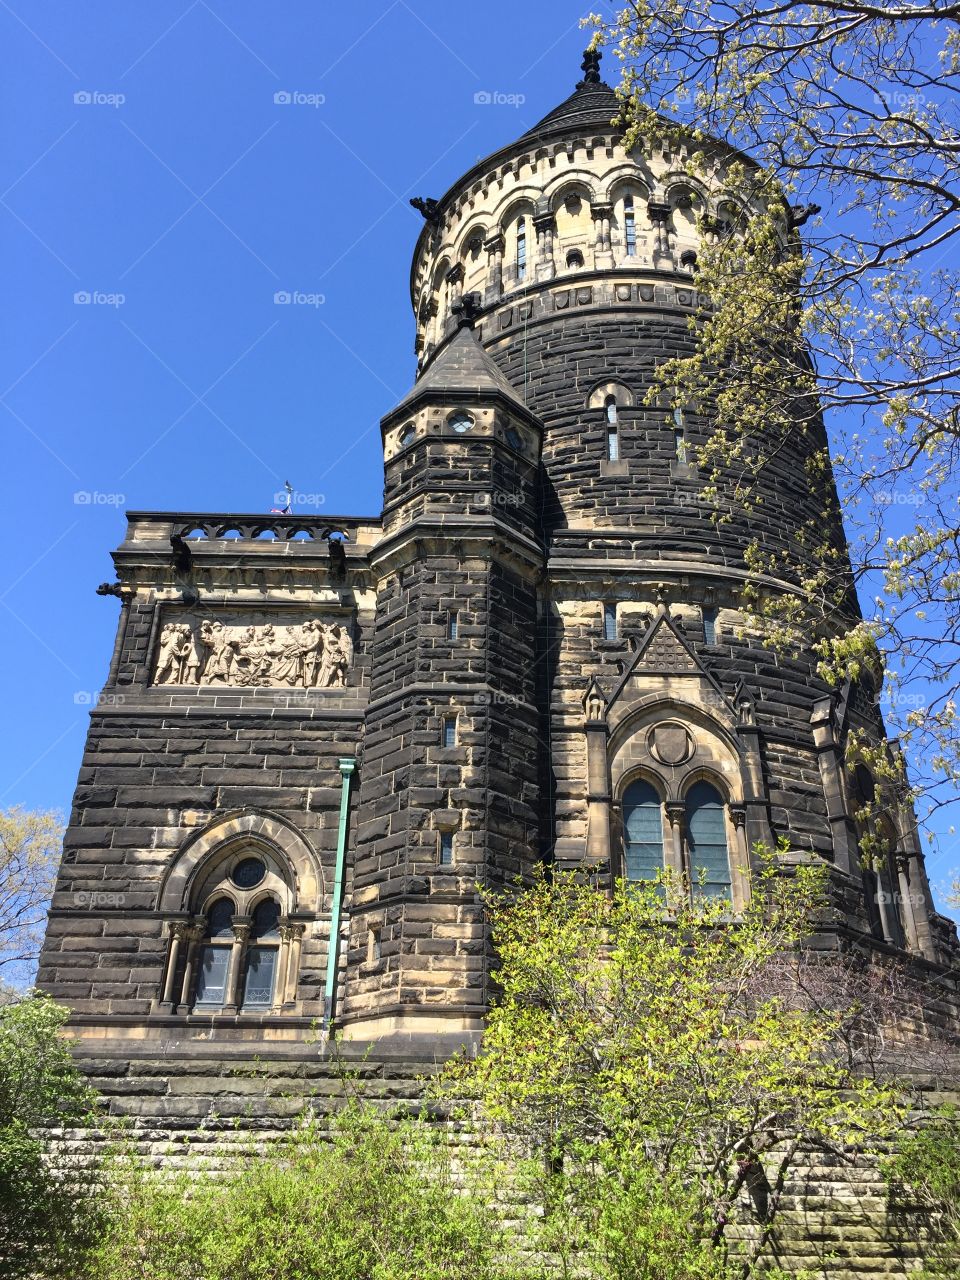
[{"x": 306, "y": 654}]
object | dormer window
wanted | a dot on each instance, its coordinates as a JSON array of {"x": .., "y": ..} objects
[{"x": 460, "y": 421}]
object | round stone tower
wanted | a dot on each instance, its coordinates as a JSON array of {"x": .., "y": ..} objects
[{"x": 667, "y": 733}]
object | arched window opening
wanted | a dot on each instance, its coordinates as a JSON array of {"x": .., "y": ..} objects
[
  {"x": 708, "y": 857},
  {"x": 642, "y": 832},
  {"x": 574, "y": 259},
  {"x": 214, "y": 959},
  {"x": 260, "y": 969},
  {"x": 521, "y": 248},
  {"x": 629, "y": 227}
]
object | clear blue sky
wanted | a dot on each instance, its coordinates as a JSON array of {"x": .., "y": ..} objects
[{"x": 148, "y": 165}]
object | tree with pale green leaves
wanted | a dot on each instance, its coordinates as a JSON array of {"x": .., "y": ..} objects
[
  {"x": 845, "y": 118},
  {"x": 669, "y": 1075}
]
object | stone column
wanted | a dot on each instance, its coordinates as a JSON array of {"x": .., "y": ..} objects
[
  {"x": 603, "y": 243},
  {"x": 739, "y": 859},
  {"x": 659, "y": 214},
  {"x": 194, "y": 933},
  {"x": 179, "y": 931},
  {"x": 231, "y": 994},
  {"x": 544, "y": 226},
  {"x": 494, "y": 246},
  {"x": 292, "y": 976},
  {"x": 598, "y": 785},
  {"x": 676, "y": 813}
]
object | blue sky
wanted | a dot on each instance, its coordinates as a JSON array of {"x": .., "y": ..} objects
[{"x": 149, "y": 168}]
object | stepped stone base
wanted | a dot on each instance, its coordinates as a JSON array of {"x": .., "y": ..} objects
[{"x": 206, "y": 1107}]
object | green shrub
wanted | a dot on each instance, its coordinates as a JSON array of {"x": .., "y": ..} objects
[{"x": 377, "y": 1200}]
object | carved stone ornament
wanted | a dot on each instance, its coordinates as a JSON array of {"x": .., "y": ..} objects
[
  {"x": 670, "y": 743},
  {"x": 307, "y": 655}
]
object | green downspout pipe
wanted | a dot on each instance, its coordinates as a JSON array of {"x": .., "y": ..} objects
[{"x": 347, "y": 764}]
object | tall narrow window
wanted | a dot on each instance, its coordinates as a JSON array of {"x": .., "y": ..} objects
[
  {"x": 629, "y": 227},
  {"x": 679, "y": 436},
  {"x": 449, "y": 735},
  {"x": 214, "y": 955},
  {"x": 373, "y": 946},
  {"x": 609, "y": 622},
  {"x": 709, "y": 625},
  {"x": 261, "y": 966},
  {"x": 521, "y": 248},
  {"x": 446, "y": 849},
  {"x": 453, "y": 625},
  {"x": 613, "y": 430},
  {"x": 642, "y": 832},
  {"x": 707, "y": 841}
]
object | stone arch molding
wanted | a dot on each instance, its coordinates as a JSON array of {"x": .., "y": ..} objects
[
  {"x": 244, "y": 829},
  {"x": 711, "y": 751}
]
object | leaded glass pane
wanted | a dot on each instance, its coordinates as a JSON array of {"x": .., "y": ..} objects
[
  {"x": 642, "y": 832},
  {"x": 212, "y": 975},
  {"x": 707, "y": 841},
  {"x": 258, "y": 983}
]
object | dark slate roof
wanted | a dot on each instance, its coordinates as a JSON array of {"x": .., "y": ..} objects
[
  {"x": 589, "y": 106},
  {"x": 462, "y": 365}
]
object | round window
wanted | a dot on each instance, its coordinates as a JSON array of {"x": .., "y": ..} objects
[
  {"x": 460, "y": 421},
  {"x": 514, "y": 439},
  {"x": 248, "y": 873},
  {"x": 407, "y": 435}
]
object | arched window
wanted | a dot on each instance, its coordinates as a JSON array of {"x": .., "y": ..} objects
[
  {"x": 629, "y": 227},
  {"x": 642, "y": 832},
  {"x": 260, "y": 968},
  {"x": 214, "y": 959},
  {"x": 521, "y": 248},
  {"x": 708, "y": 859},
  {"x": 575, "y": 259}
]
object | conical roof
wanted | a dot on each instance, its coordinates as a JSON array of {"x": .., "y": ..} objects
[
  {"x": 593, "y": 104},
  {"x": 462, "y": 367}
]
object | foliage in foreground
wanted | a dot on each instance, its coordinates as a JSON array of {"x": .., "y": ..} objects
[
  {"x": 377, "y": 1201},
  {"x": 669, "y": 1078},
  {"x": 48, "y": 1209},
  {"x": 926, "y": 1171}
]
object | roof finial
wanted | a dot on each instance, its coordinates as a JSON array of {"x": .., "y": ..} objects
[{"x": 590, "y": 67}]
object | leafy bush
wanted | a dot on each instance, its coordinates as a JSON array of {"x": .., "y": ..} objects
[
  {"x": 377, "y": 1200},
  {"x": 48, "y": 1207}
]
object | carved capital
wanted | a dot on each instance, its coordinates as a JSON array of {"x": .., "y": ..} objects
[
  {"x": 658, "y": 210},
  {"x": 738, "y": 813},
  {"x": 495, "y": 243},
  {"x": 675, "y": 814}
]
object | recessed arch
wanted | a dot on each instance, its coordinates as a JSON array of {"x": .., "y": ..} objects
[
  {"x": 600, "y": 394},
  {"x": 239, "y": 830}
]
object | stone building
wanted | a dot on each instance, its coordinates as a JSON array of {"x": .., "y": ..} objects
[{"x": 318, "y": 736}]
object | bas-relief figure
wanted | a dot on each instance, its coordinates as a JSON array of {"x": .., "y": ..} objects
[{"x": 311, "y": 655}]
